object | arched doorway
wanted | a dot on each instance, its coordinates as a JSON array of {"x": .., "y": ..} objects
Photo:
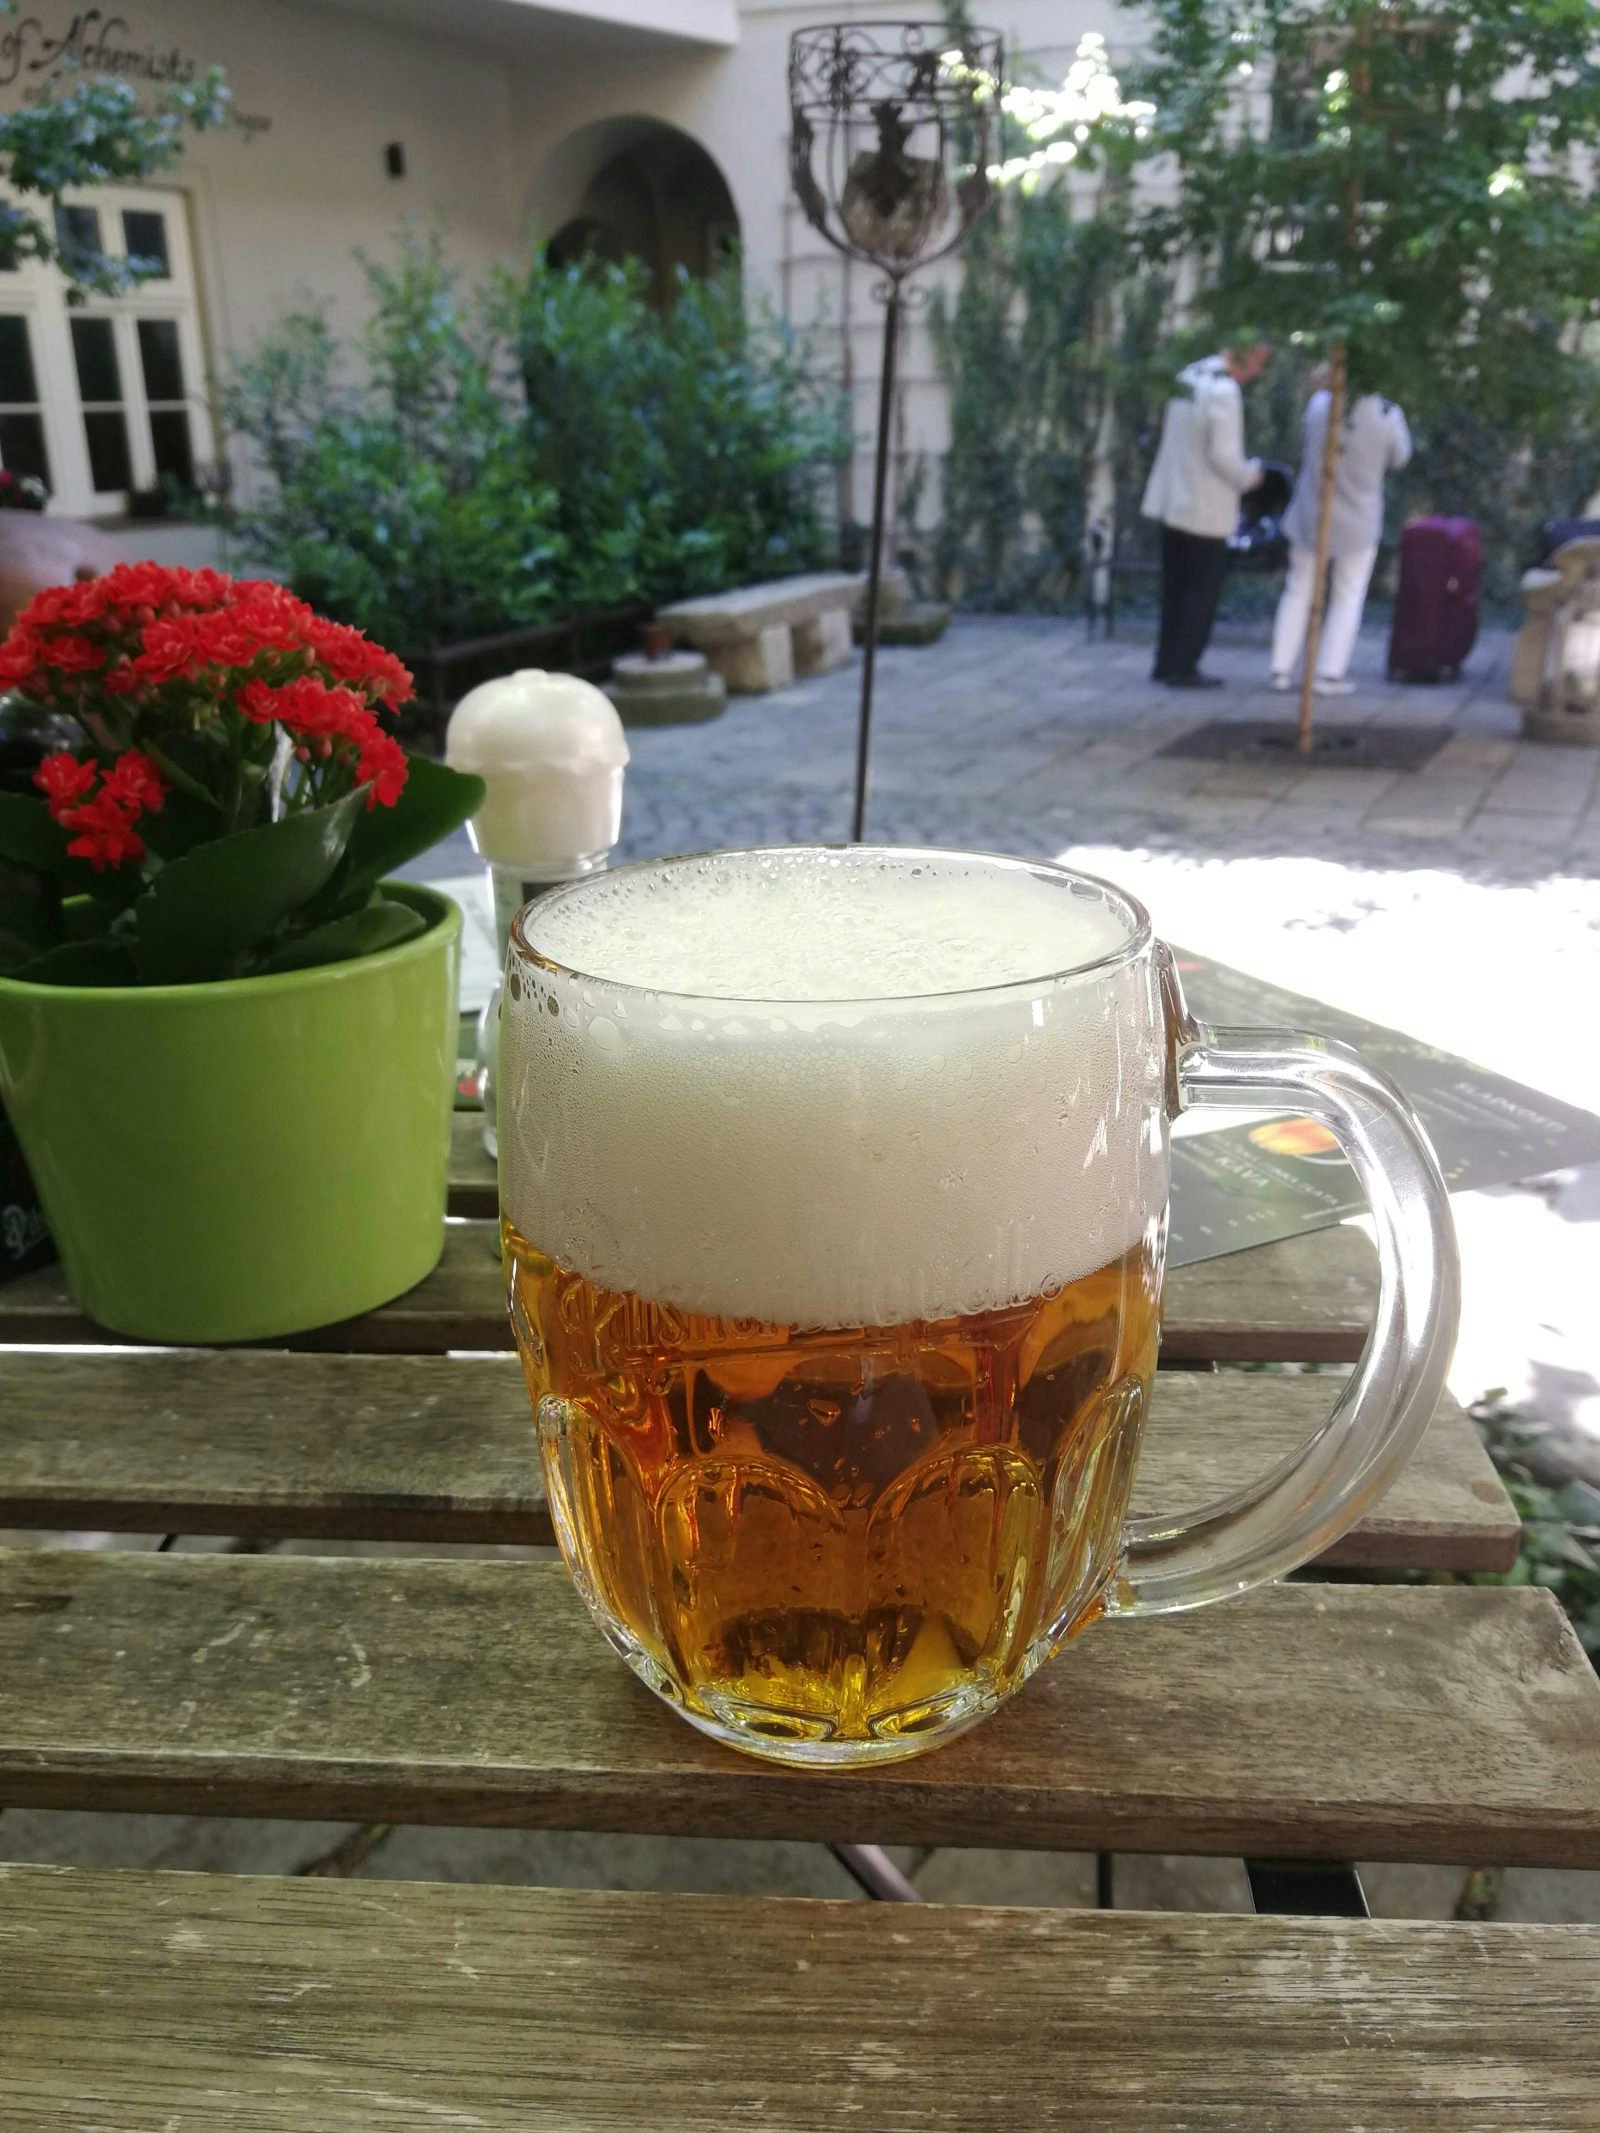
[{"x": 636, "y": 188}]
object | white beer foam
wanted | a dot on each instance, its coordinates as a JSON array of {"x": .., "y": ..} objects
[{"x": 774, "y": 1094}]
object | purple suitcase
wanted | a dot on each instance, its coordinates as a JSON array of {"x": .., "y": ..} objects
[{"x": 1436, "y": 601}]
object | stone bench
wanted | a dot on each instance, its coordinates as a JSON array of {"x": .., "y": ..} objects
[{"x": 762, "y": 636}]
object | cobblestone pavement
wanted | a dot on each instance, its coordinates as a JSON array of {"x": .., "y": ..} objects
[{"x": 1018, "y": 733}]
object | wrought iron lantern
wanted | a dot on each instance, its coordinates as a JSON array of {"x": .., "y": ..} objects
[{"x": 893, "y": 127}]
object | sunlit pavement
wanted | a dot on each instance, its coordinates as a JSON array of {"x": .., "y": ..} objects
[{"x": 1459, "y": 902}]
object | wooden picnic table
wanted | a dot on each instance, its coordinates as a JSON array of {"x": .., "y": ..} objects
[{"x": 1316, "y": 1720}]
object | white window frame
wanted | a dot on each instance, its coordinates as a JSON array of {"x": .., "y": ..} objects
[{"x": 40, "y": 294}]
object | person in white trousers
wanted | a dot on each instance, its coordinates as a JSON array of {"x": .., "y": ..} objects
[{"x": 1374, "y": 442}]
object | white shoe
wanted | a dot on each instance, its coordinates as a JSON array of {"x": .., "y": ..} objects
[
  {"x": 1282, "y": 682},
  {"x": 1334, "y": 685}
]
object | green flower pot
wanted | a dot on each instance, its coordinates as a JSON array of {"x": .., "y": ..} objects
[{"x": 243, "y": 1160}]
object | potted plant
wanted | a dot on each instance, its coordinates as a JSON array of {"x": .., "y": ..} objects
[{"x": 226, "y": 1041}]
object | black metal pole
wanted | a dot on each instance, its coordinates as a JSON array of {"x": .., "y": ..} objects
[
  {"x": 880, "y": 491},
  {"x": 876, "y": 1872}
]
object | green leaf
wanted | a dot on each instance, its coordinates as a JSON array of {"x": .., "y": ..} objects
[
  {"x": 435, "y": 801},
  {"x": 29, "y": 838},
  {"x": 210, "y": 912},
  {"x": 80, "y": 963},
  {"x": 377, "y": 925},
  {"x": 30, "y": 914}
]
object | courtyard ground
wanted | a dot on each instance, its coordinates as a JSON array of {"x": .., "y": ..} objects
[{"x": 1460, "y": 902}]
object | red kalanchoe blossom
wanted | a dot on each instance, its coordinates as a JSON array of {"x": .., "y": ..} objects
[
  {"x": 64, "y": 780},
  {"x": 103, "y": 826},
  {"x": 259, "y": 701},
  {"x": 382, "y": 765},
  {"x": 169, "y": 649},
  {"x": 19, "y": 659},
  {"x": 72, "y": 655},
  {"x": 309, "y": 706},
  {"x": 225, "y": 640},
  {"x": 144, "y": 653},
  {"x": 106, "y": 836},
  {"x": 134, "y": 785}
]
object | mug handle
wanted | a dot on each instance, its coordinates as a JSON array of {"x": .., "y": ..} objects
[{"x": 1306, "y": 1501}]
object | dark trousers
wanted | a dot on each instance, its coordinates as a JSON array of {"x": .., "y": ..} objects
[{"x": 1191, "y": 584}]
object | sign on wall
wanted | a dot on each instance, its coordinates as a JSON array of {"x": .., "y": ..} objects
[{"x": 95, "y": 41}]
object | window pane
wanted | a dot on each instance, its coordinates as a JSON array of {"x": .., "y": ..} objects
[
  {"x": 109, "y": 465},
  {"x": 95, "y": 347},
  {"x": 158, "y": 353},
  {"x": 17, "y": 380},
  {"x": 169, "y": 433},
  {"x": 145, "y": 234},
  {"x": 78, "y": 229},
  {"x": 22, "y": 446}
]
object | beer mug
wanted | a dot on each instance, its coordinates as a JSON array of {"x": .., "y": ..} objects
[{"x": 834, "y": 1190}]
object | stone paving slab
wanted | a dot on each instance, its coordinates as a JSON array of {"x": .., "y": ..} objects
[{"x": 1024, "y": 723}]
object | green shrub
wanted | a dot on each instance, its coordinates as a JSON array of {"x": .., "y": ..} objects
[
  {"x": 687, "y": 450},
  {"x": 409, "y": 504},
  {"x": 546, "y": 446}
]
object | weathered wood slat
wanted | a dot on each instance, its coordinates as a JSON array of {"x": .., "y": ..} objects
[
  {"x": 1307, "y": 1299},
  {"x": 435, "y": 1448},
  {"x": 218, "y": 2004},
  {"x": 1365, "y": 1722}
]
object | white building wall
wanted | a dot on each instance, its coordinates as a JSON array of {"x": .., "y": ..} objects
[{"x": 489, "y": 101}]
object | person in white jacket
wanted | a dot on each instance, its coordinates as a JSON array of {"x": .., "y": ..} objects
[
  {"x": 1199, "y": 475},
  {"x": 1374, "y": 442}
]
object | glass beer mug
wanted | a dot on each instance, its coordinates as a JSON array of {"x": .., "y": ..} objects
[{"x": 834, "y": 1190}]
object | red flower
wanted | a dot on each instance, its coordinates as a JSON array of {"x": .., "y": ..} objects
[
  {"x": 169, "y": 649},
  {"x": 398, "y": 682},
  {"x": 131, "y": 585},
  {"x": 150, "y": 648},
  {"x": 382, "y": 765},
  {"x": 309, "y": 706},
  {"x": 274, "y": 616},
  {"x": 134, "y": 785},
  {"x": 44, "y": 609},
  {"x": 64, "y": 780},
  {"x": 73, "y": 655},
  {"x": 225, "y": 640},
  {"x": 106, "y": 836},
  {"x": 83, "y": 603},
  {"x": 259, "y": 702},
  {"x": 19, "y": 657}
]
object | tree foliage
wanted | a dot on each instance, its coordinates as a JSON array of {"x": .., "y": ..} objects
[
  {"x": 1047, "y": 349},
  {"x": 86, "y": 129},
  {"x": 1407, "y": 179}
]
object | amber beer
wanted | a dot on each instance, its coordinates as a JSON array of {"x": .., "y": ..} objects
[
  {"x": 838, "y": 1387},
  {"x": 842, "y": 1535}
]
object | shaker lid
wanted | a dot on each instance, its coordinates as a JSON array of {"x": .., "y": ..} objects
[{"x": 534, "y": 721}]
